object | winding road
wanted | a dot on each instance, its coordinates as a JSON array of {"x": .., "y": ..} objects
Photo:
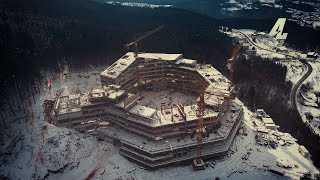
[{"x": 295, "y": 89}]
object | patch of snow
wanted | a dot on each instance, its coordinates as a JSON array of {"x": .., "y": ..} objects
[
  {"x": 316, "y": 24},
  {"x": 278, "y": 6},
  {"x": 267, "y": 1},
  {"x": 136, "y": 4}
]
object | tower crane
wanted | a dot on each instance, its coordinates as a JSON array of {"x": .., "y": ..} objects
[
  {"x": 200, "y": 130},
  {"x": 135, "y": 41},
  {"x": 198, "y": 162}
]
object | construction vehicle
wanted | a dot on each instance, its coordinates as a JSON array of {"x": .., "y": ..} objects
[{"x": 135, "y": 41}]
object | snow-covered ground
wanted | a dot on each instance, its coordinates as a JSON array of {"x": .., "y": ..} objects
[
  {"x": 313, "y": 82},
  {"x": 301, "y": 17},
  {"x": 35, "y": 149},
  {"x": 268, "y": 47},
  {"x": 137, "y": 4},
  {"x": 295, "y": 69}
]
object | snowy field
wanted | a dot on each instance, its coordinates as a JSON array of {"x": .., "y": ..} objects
[{"x": 36, "y": 150}]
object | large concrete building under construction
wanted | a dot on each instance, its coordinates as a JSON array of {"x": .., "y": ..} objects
[{"x": 149, "y": 104}]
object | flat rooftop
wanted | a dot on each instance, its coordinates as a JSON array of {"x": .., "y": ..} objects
[
  {"x": 186, "y": 61},
  {"x": 74, "y": 102},
  {"x": 125, "y": 61},
  {"x": 159, "y": 56},
  {"x": 214, "y": 77},
  {"x": 216, "y": 80},
  {"x": 267, "y": 121},
  {"x": 143, "y": 111},
  {"x": 111, "y": 92}
]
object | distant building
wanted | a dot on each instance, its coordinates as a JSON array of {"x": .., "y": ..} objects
[
  {"x": 304, "y": 151},
  {"x": 268, "y": 123},
  {"x": 271, "y": 126},
  {"x": 312, "y": 55},
  {"x": 251, "y": 51},
  {"x": 246, "y": 45},
  {"x": 261, "y": 113},
  {"x": 266, "y": 120}
]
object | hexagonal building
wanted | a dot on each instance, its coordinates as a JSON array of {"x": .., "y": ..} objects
[{"x": 148, "y": 103}]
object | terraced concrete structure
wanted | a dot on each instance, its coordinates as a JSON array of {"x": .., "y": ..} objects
[{"x": 148, "y": 103}]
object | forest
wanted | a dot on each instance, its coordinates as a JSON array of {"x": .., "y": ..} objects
[
  {"x": 37, "y": 33},
  {"x": 261, "y": 83},
  {"x": 41, "y": 34}
]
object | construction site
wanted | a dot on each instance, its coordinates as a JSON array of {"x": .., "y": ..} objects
[
  {"x": 162, "y": 108},
  {"x": 159, "y": 90},
  {"x": 148, "y": 111}
]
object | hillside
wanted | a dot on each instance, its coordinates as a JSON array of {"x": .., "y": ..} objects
[
  {"x": 302, "y": 16},
  {"x": 261, "y": 83},
  {"x": 38, "y": 33},
  {"x": 299, "y": 37}
]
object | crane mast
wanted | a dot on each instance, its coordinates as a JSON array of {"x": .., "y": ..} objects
[
  {"x": 199, "y": 131},
  {"x": 200, "y": 113}
]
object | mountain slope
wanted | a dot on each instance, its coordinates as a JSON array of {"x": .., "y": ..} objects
[
  {"x": 40, "y": 32},
  {"x": 302, "y": 16}
]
